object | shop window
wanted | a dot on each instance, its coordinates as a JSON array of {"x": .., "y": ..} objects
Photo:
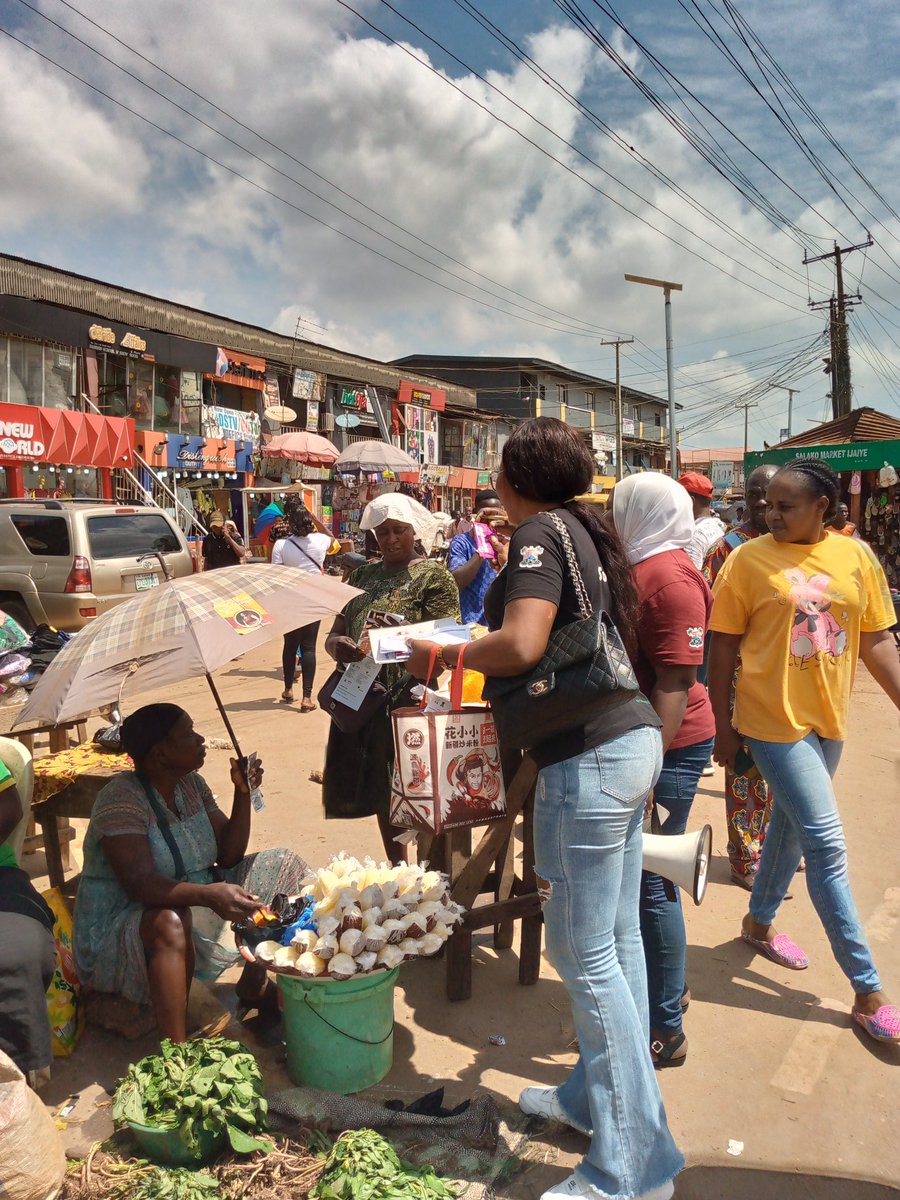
[
  {"x": 26, "y": 372},
  {"x": 113, "y": 385},
  {"x": 44, "y": 535},
  {"x": 59, "y": 378},
  {"x": 167, "y": 399},
  {"x": 140, "y": 394}
]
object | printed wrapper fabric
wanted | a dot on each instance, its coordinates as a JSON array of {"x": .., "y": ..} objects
[{"x": 447, "y": 771}]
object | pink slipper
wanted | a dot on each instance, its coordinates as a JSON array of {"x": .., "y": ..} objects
[
  {"x": 882, "y": 1025},
  {"x": 781, "y": 950}
]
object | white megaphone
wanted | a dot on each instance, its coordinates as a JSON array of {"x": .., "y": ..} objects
[{"x": 681, "y": 857}]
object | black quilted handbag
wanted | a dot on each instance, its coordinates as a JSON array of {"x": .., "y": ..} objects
[{"x": 585, "y": 669}]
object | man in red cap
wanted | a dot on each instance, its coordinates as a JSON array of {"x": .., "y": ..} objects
[{"x": 708, "y": 529}]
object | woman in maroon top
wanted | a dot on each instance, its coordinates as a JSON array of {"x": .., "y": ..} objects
[{"x": 655, "y": 520}]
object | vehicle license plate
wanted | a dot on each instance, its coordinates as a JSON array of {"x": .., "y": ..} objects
[{"x": 143, "y": 583}]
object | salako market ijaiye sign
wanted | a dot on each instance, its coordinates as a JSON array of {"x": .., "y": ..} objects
[{"x": 841, "y": 456}]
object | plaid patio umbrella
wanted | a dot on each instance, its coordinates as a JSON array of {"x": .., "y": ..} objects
[{"x": 180, "y": 630}]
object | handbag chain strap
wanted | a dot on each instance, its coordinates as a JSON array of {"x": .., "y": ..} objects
[{"x": 584, "y": 600}]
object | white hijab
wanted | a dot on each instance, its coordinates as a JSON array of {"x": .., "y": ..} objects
[
  {"x": 396, "y": 507},
  {"x": 652, "y": 513}
]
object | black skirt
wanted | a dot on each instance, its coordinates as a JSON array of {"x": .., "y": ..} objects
[{"x": 27, "y": 963}]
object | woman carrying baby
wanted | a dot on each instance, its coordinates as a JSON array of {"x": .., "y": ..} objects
[{"x": 802, "y": 606}]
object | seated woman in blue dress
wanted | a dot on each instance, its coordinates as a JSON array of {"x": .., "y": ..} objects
[{"x": 165, "y": 872}]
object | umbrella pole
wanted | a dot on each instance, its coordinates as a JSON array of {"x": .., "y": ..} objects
[{"x": 224, "y": 714}]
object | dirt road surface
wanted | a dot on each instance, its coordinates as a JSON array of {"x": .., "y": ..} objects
[{"x": 780, "y": 1096}]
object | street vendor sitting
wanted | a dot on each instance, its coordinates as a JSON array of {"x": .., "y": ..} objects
[{"x": 165, "y": 872}]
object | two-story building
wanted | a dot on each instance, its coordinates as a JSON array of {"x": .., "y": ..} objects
[{"x": 517, "y": 388}]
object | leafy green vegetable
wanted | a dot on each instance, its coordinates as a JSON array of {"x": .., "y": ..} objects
[
  {"x": 175, "y": 1183},
  {"x": 362, "y": 1165},
  {"x": 211, "y": 1085}
]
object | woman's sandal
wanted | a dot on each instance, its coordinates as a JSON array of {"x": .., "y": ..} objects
[
  {"x": 781, "y": 950},
  {"x": 287, "y": 696},
  {"x": 882, "y": 1025},
  {"x": 669, "y": 1054},
  {"x": 307, "y": 704}
]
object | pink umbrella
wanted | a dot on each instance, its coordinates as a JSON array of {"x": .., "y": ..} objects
[{"x": 302, "y": 447}]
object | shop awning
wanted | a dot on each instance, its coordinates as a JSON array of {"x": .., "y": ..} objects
[{"x": 50, "y": 435}]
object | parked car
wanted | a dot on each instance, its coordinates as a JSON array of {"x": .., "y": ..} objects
[{"x": 64, "y": 562}]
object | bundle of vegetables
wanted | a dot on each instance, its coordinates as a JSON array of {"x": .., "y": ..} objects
[
  {"x": 210, "y": 1085},
  {"x": 362, "y": 1165},
  {"x": 368, "y": 917}
]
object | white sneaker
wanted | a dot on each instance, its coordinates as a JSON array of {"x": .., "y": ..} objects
[
  {"x": 573, "y": 1187},
  {"x": 544, "y": 1102}
]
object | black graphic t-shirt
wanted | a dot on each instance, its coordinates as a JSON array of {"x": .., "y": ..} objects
[{"x": 537, "y": 570}]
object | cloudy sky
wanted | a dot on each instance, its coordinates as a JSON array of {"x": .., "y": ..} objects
[{"x": 476, "y": 176}]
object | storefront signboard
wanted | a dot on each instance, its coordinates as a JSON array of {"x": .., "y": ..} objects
[
  {"x": 218, "y": 456},
  {"x": 191, "y": 386},
  {"x": 32, "y": 434},
  {"x": 305, "y": 385},
  {"x": 272, "y": 390},
  {"x": 841, "y": 456},
  {"x": 484, "y": 479},
  {"x": 603, "y": 443},
  {"x": 186, "y": 452},
  {"x": 70, "y": 327},
  {"x": 422, "y": 397},
  {"x": 312, "y": 416},
  {"x": 435, "y": 476},
  {"x": 355, "y": 398},
  {"x": 628, "y": 427},
  {"x": 230, "y": 423},
  {"x": 243, "y": 370}
]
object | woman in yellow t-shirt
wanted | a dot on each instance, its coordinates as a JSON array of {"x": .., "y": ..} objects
[{"x": 801, "y": 607}]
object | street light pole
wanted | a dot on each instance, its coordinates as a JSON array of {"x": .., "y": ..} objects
[
  {"x": 790, "y": 392},
  {"x": 668, "y": 287}
]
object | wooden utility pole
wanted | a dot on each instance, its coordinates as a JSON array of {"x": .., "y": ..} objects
[
  {"x": 618, "y": 343},
  {"x": 841, "y": 391}
]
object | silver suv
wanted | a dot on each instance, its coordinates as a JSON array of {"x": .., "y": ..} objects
[{"x": 65, "y": 562}]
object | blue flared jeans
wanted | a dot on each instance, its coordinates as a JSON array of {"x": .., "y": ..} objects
[
  {"x": 662, "y": 921},
  {"x": 805, "y": 821},
  {"x": 588, "y": 845}
]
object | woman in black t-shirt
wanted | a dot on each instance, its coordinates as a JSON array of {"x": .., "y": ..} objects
[{"x": 592, "y": 786}]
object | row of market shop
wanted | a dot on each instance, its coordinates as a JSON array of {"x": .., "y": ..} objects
[{"x": 105, "y": 392}]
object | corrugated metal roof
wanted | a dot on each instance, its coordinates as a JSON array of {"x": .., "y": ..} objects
[
  {"x": 861, "y": 425},
  {"x": 37, "y": 281}
]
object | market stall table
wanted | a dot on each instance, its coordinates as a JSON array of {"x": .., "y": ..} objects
[{"x": 66, "y": 785}]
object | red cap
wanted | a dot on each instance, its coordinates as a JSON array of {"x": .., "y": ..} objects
[{"x": 696, "y": 484}]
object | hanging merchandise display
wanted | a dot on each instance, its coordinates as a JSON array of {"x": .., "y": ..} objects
[{"x": 881, "y": 529}]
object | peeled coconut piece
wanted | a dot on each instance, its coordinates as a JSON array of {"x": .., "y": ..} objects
[
  {"x": 430, "y": 944},
  {"x": 352, "y": 942},
  {"x": 351, "y": 919},
  {"x": 434, "y": 886},
  {"x": 371, "y": 897},
  {"x": 394, "y": 931},
  {"x": 390, "y": 957},
  {"x": 390, "y": 889},
  {"x": 429, "y": 911},
  {"x": 440, "y": 930},
  {"x": 393, "y": 910},
  {"x": 266, "y": 951},
  {"x": 342, "y": 966},
  {"x": 304, "y": 939},
  {"x": 328, "y": 925},
  {"x": 366, "y": 961},
  {"x": 326, "y": 947},
  {"x": 371, "y": 916},
  {"x": 285, "y": 958},
  {"x": 376, "y": 938},
  {"x": 410, "y": 947},
  {"x": 310, "y": 964},
  {"x": 414, "y": 925}
]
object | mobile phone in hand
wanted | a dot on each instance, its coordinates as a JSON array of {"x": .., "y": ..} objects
[{"x": 256, "y": 796}]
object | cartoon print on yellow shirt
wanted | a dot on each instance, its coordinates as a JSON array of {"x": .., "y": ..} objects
[{"x": 816, "y": 630}]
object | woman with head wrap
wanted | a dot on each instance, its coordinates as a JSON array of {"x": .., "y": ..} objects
[
  {"x": 654, "y": 518},
  {"x": 407, "y": 585},
  {"x": 165, "y": 871}
]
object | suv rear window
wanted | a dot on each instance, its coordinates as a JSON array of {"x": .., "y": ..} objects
[
  {"x": 44, "y": 536},
  {"x": 129, "y": 535}
]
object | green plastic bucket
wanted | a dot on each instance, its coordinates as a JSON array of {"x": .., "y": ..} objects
[
  {"x": 170, "y": 1147},
  {"x": 339, "y": 1033}
]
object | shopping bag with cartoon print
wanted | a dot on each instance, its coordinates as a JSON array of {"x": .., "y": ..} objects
[{"x": 447, "y": 771}]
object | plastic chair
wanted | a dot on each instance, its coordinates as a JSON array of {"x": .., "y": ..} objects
[{"x": 17, "y": 760}]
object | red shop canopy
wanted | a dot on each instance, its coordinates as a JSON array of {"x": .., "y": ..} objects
[{"x": 32, "y": 434}]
